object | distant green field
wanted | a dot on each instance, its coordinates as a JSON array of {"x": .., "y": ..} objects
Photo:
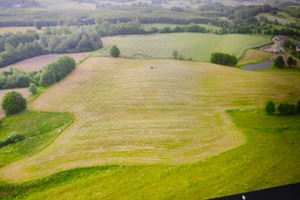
[
  {"x": 269, "y": 158},
  {"x": 191, "y": 45}
]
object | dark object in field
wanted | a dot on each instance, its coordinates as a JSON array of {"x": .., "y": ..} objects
[
  {"x": 259, "y": 66},
  {"x": 12, "y": 139}
]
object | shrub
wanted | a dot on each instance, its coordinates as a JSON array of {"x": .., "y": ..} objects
[
  {"x": 223, "y": 59},
  {"x": 14, "y": 138},
  {"x": 32, "y": 88},
  {"x": 270, "y": 107},
  {"x": 13, "y": 102},
  {"x": 297, "y": 111},
  {"x": 115, "y": 52},
  {"x": 175, "y": 54},
  {"x": 286, "y": 109}
]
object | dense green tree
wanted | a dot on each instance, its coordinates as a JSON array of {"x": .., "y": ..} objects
[
  {"x": 223, "y": 59},
  {"x": 114, "y": 51},
  {"x": 270, "y": 107},
  {"x": 47, "y": 78},
  {"x": 278, "y": 62},
  {"x": 286, "y": 109},
  {"x": 32, "y": 88},
  {"x": 290, "y": 61},
  {"x": 298, "y": 107},
  {"x": 12, "y": 103},
  {"x": 175, "y": 54}
]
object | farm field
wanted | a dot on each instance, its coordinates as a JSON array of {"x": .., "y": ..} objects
[
  {"x": 38, "y": 62},
  {"x": 128, "y": 113},
  {"x": 254, "y": 56},
  {"x": 4, "y": 30},
  {"x": 163, "y": 133},
  {"x": 200, "y": 48}
]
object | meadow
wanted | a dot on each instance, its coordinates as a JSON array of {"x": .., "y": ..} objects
[
  {"x": 128, "y": 113},
  {"x": 199, "y": 48},
  {"x": 40, "y": 129},
  {"x": 176, "y": 130}
]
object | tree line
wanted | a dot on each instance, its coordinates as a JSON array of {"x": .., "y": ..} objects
[
  {"x": 20, "y": 46},
  {"x": 48, "y": 75},
  {"x": 284, "y": 108}
]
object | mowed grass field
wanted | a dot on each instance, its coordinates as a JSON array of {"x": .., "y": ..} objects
[
  {"x": 163, "y": 133},
  {"x": 127, "y": 113},
  {"x": 199, "y": 48}
]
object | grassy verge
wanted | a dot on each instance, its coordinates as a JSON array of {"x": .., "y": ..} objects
[
  {"x": 268, "y": 158},
  {"x": 39, "y": 129}
]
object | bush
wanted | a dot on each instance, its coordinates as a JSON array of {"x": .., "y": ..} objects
[
  {"x": 223, "y": 59},
  {"x": 14, "y": 138},
  {"x": 32, "y": 88},
  {"x": 286, "y": 109},
  {"x": 270, "y": 107},
  {"x": 12, "y": 103},
  {"x": 115, "y": 52},
  {"x": 298, "y": 108}
]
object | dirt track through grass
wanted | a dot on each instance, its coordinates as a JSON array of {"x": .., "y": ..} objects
[{"x": 128, "y": 113}]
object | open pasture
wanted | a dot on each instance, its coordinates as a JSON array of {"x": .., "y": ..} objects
[
  {"x": 191, "y": 45},
  {"x": 38, "y": 62},
  {"x": 148, "y": 112}
]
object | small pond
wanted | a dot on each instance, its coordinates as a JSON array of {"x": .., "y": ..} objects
[{"x": 259, "y": 66}]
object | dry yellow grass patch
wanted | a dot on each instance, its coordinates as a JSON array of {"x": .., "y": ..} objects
[
  {"x": 4, "y": 30},
  {"x": 253, "y": 55},
  {"x": 148, "y": 111}
]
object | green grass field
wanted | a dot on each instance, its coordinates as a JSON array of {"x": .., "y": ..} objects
[
  {"x": 127, "y": 113},
  {"x": 199, "y": 48},
  {"x": 39, "y": 128},
  {"x": 270, "y": 157}
]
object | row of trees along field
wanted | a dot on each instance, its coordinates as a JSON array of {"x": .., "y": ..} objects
[
  {"x": 51, "y": 73},
  {"x": 19, "y": 46}
]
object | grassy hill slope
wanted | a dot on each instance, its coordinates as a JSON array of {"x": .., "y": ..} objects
[{"x": 191, "y": 45}]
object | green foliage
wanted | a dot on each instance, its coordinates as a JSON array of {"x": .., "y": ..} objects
[
  {"x": 291, "y": 62},
  {"x": 38, "y": 128},
  {"x": 278, "y": 62},
  {"x": 12, "y": 103},
  {"x": 298, "y": 107},
  {"x": 14, "y": 78},
  {"x": 114, "y": 51},
  {"x": 223, "y": 59},
  {"x": 56, "y": 71},
  {"x": 14, "y": 138},
  {"x": 47, "y": 78},
  {"x": 32, "y": 88},
  {"x": 253, "y": 159},
  {"x": 175, "y": 54},
  {"x": 270, "y": 107},
  {"x": 286, "y": 109}
]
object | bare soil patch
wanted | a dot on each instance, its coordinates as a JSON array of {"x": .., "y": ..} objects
[
  {"x": 106, "y": 40},
  {"x": 24, "y": 91},
  {"x": 38, "y": 62},
  {"x": 4, "y": 30}
]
